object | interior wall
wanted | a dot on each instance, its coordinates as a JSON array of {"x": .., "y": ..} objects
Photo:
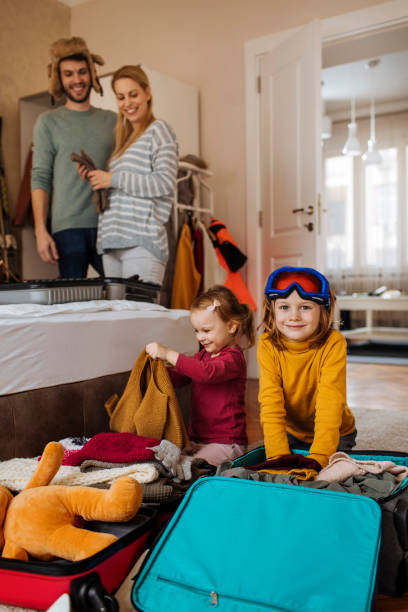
[
  {"x": 27, "y": 30},
  {"x": 201, "y": 43}
]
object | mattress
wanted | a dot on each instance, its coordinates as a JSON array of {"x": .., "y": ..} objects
[{"x": 48, "y": 345}]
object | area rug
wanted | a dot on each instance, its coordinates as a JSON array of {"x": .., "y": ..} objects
[
  {"x": 381, "y": 429},
  {"x": 376, "y": 352},
  {"x": 376, "y": 430}
]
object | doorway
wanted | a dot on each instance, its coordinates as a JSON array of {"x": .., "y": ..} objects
[
  {"x": 334, "y": 31},
  {"x": 365, "y": 185}
]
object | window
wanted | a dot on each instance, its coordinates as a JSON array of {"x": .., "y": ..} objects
[
  {"x": 365, "y": 205},
  {"x": 381, "y": 212},
  {"x": 339, "y": 202}
]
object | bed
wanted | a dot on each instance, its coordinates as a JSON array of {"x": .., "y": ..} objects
[{"x": 59, "y": 363}]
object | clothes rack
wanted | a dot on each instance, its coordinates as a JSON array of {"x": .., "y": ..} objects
[{"x": 198, "y": 176}]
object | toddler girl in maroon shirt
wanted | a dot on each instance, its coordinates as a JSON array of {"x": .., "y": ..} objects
[{"x": 217, "y": 374}]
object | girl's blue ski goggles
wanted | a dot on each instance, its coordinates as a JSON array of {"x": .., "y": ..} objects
[{"x": 309, "y": 283}]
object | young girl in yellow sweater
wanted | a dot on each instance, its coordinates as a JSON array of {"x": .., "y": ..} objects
[{"x": 302, "y": 364}]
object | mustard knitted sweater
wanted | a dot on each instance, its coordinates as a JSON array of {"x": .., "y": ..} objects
[{"x": 303, "y": 391}]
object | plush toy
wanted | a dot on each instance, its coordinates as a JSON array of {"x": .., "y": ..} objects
[{"x": 47, "y": 521}]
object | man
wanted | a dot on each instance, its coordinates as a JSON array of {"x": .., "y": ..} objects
[{"x": 57, "y": 133}]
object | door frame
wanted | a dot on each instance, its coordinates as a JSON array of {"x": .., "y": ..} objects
[{"x": 347, "y": 25}]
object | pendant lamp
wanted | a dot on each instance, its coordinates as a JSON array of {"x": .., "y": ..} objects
[
  {"x": 352, "y": 146},
  {"x": 372, "y": 156}
]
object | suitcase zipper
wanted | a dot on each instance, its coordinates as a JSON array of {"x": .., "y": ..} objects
[
  {"x": 214, "y": 596},
  {"x": 211, "y": 594}
]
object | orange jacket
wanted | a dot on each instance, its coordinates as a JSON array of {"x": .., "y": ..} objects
[{"x": 223, "y": 240}]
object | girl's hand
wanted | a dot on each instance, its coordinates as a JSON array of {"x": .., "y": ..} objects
[
  {"x": 100, "y": 179},
  {"x": 156, "y": 350}
]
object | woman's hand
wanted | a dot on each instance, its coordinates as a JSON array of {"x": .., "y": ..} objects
[
  {"x": 82, "y": 171},
  {"x": 100, "y": 179}
]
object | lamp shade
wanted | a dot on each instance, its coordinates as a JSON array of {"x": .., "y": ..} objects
[
  {"x": 352, "y": 146},
  {"x": 372, "y": 156}
]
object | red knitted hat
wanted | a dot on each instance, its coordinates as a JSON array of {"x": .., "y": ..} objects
[
  {"x": 308, "y": 282},
  {"x": 116, "y": 447}
]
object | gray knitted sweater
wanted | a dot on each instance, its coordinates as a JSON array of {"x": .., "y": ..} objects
[
  {"x": 57, "y": 134},
  {"x": 142, "y": 193}
]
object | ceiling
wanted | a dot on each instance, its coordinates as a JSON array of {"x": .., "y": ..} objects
[
  {"x": 345, "y": 73},
  {"x": 387, "y": 83}
]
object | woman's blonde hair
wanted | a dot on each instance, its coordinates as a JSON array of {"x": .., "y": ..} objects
[
  {"x": 226, "y": 305},
  {"x": 125, "y": 135},
  {"x": 315, "y": 341}
]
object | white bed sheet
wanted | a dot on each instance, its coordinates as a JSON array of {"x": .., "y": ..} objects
[{"x": 42, "y": 346}]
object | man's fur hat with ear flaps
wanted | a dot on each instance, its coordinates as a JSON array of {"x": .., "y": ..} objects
[{"x": 64, "y": 48}]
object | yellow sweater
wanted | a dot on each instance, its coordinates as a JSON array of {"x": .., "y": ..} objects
[{"x": 303, "y": 391}]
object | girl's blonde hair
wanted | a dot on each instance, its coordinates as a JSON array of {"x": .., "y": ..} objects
[
  {"x": 228, "y": 308},
  {"x": 315, "y": 341},
  {"x": 125, "y": 135}
]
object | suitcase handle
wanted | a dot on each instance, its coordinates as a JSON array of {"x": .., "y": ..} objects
[{"x": 88, "y": 593}]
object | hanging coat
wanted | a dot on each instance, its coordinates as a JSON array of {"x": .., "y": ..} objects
[
  {"x": 214, "y": 274},
  {"x": 223, "y": 240},
  {"x": 224, "y": 244},
  {"x": 235, "y": 282},
  {"x": 186, "y": 280},
  {"x": 23, "y": 206}
]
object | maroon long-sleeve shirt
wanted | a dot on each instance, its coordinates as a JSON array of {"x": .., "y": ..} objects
[{"x": 217, "y": 395}]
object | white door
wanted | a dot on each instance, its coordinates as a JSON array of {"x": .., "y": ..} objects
[{"x": 290, "y": 153}]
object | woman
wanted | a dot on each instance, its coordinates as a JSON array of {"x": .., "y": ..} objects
[{"x": 141, "y": 178}]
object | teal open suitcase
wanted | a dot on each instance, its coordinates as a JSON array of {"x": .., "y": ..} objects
[
  {"x": 245, "y": 546},
  {"x": 392, "y": 574}
]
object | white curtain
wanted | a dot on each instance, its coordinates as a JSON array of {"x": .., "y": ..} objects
[{"x": 367, "y": 245}]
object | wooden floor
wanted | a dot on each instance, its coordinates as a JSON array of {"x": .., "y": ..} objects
[{"x": 368, "y": 385}]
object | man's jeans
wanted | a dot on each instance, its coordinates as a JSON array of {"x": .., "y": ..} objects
[{"x": 77, "y": 250}]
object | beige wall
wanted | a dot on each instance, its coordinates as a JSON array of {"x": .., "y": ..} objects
[
  {"x": 198, "y": 42},
  {"x": 27, "y": 29},
  {"x": 202, "y": 43}
]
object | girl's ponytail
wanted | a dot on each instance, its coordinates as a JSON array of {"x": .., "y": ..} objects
[{"x": 246, "y": 325}]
